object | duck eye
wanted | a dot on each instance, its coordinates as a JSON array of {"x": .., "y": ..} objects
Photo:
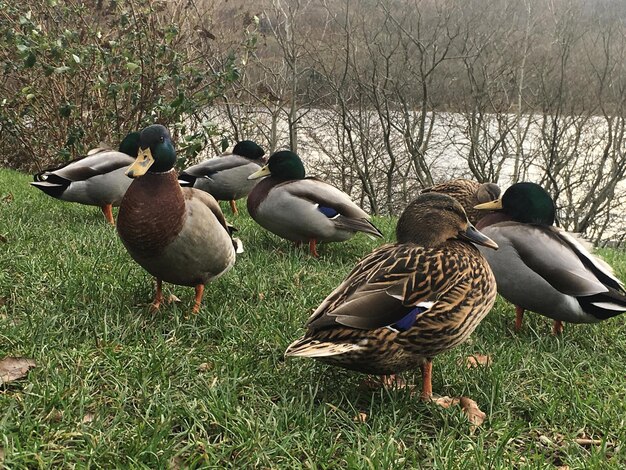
[{"x": 161, "y": 138}]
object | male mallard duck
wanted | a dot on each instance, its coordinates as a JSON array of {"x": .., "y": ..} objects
[
  {"x": 469, "y": 193},
  {"x": 96, "y": 180},
  {"x": 544, "y": 269},
  {"x": 406, "y": 302},
  {"x": 178, "y": 235},
  {"x": 304, "y": 209},
  {"x": 226, "y": 177}
]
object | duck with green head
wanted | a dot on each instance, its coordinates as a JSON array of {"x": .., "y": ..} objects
[
  {"x": 544, "y": 269},
  {"x": 406, "y": 302},
  {"x": 226, "y": 177},
  {"x": 304, "y": 209},
  {"x": 179, "y": 235},
  {"x": 97, "y": 179}
]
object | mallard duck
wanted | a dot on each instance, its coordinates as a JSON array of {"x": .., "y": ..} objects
[
  {"x": 469, "y": 193},
  {"x": 97, "y": 179},
  {"x": 406, "y": 302},
  {"x": 544, "y": 269},
  {"x": 226, "y": 177},
  {"x": 179, "y": 235},
  {"x": 304, "y": 209}
]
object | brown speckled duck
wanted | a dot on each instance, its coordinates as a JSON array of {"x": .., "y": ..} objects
[
  {"x": 304, "y": 209},
  {"x": 469, "y": 193},
  {"x": 406, "y": 302},
  {"x": 178, "y": 235}
]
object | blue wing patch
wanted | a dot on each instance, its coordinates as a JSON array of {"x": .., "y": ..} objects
[
  {"x": 328, "y": 211},
  {"x": 408, "y": 320}
]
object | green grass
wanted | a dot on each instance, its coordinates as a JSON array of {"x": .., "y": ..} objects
[{"x": 117, "y": 386}]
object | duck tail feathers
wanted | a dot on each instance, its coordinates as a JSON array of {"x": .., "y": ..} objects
[
  {"x": 358, "y": 225},
  {"x": 308, "y": 347},
  {"x": 605, "y": 305}
]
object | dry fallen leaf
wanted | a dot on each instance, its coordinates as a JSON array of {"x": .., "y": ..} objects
[
  {"x": 588, "y": 442},
  {"x": 88, "y": 418},
  {"x": 8, "y": 198},
  {"x": 446, "y": 401},
  {"x": 261, "y": 296},
  {"x": 13, "y": 368},
  {"x": 474, "y": 414},
  {"x": 360, "y": 417},
  {"x": 476, "y": 360},
  {"x": 205, "y": 366},
  {"x": 563, "y": 467},
  {"x": 172, "y": 298}
]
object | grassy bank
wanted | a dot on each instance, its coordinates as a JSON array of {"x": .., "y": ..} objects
[{"x": 118, "y": 386}]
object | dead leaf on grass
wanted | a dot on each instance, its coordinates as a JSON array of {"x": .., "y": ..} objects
[
  {"x": 446, "y": 401},
  {"x": 172, "y": 298},
  {"x": 261, "y": 296},
  {"x": 474, "y": 414},
  {"x": 88, "y": 418},
  {"x": 588, "y": 442},
  {"x": 8, "y": 198},
  {"x": 360, "y": 417},
  {"x": 476, "y": 360},
  {"x": 205, "y": 366},
  {"x": 563, "y": 467},
  {"x": 13, "y": 368}
]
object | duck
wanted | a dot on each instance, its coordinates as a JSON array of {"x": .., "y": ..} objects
[
  {"x": 544, "y": 269},
  {"x": 409, "y": 301},
  {"x": 304, "y": 209},
  {"x": 469, "y": 193},
  {"x": 178, "y": 235},
  {"x": 96, "y": 179},
  {"x": 226, "y": 177}
]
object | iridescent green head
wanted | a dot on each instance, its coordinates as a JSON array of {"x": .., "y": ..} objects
[
  {"x": 249, "y": 149},
  {"x": 284, "y": 165},
  {"x": 156, "y": 152},
  {"x": 130, "y": 144},
  {"x": 527, "y": 203}
]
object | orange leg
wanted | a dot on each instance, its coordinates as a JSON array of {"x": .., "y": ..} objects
[
  {"x": 557, "y": 327},
  {"x": 519, "y": 316},
  {"x": 233, "y": 207},
  {"x": 158, "y": 296},
  {"x": 199, "y": 294},
  {"x": 107, "y": 210},
  {"x": 427, "y": 384},
  {"x": 313, "y": 247}
]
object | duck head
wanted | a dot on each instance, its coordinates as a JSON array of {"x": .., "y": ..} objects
[
  {"x": 249, "y": 149},
  {"x": 130, "y": 144},
  {"x": 433, "y": 219},
  {"x": 526, "y": 202},
  {"x": 284, "y": 165},
  {"x": 156, "y": 152}
]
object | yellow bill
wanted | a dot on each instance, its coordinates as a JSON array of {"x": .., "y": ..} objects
[
  {"x": 141, "y": 165},
  {"x": 490, "y": 206},
  {"x": 265, "y": 171}
]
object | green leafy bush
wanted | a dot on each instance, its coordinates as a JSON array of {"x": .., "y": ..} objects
[{"x": 75, "y": 74}]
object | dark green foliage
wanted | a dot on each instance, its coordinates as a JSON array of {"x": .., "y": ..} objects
[{"x": 80, "y": 73}]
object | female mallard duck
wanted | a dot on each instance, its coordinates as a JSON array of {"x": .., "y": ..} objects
[
  {"x": 226, "y": 177},
  {"x": 469, "y": 193},
  {"x": 178, "y": 235},
  {"x": 96, "y": 180},
  {"x": 304, "y": 209},
  {"x": 406, "y": 302},
  {"x": 544, "y": 269}
]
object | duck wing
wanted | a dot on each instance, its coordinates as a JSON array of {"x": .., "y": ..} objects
[
  {"x": 392, "y": 283},
  {"x": 333, "y": 203},
  {"x": 84, "y": 168}
]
